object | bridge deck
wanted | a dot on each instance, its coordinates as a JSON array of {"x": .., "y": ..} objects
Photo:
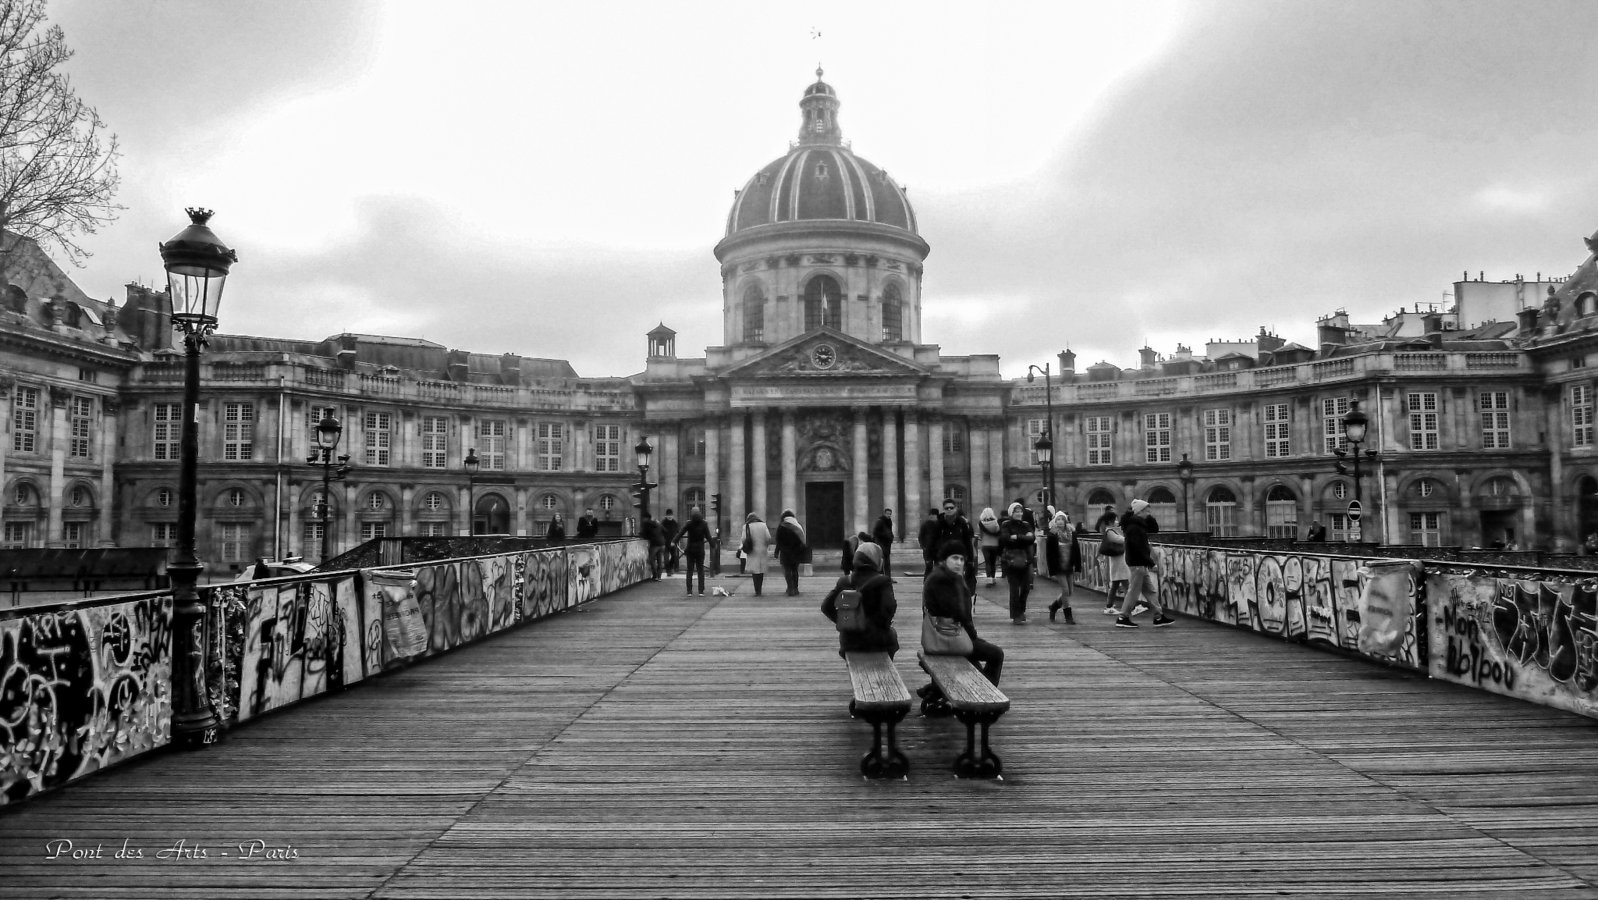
[{"x": 656, "y": 746}]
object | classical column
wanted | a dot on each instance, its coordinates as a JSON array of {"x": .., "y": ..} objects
[
  {"x": 862, "y": 476},
  {"x": 58, "y": 442},
  {"x": 977, "y": 449},
  {"x": 464, "y": 527},
  {"x": 790, "y": 462},
  {"x": 996, "y": 466},
  {"x": 713, "y": 470},
  {"x": 757, "y": 450},
  {"x": 110, "y": 427},
  {"x": 296, "y": 542},
  {"x": 670, "y": 493},
  {"x": 935, "y": 458},
  {"x": 890, "y": 470},
  {"x": 737, "y": 498},
  {"x": 914, "y": 476},
  {"x": 407, "y": 511}
]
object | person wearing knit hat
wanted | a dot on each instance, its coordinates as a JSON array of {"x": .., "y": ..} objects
[
  {"x": 1139, "y": 505},
  {"x": 1016, "y": 542},
  {"x": 945, "y": 594},
  {"x": 876, "y": 600},
  {"x": 1143, "y": 568}
]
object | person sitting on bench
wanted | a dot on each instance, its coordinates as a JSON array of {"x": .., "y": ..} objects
[
  {"x": 946, "y": 594},
  {"x": 876, "y": 598}
]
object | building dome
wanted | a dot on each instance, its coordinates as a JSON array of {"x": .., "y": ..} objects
[{"x": 820, "y": 178}]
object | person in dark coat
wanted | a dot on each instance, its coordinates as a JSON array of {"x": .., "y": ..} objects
[
  {"x": 557, "y": 530},
  {"x": 650, "y": 531},
  {"x": 696, "y": 534},
  {"x": 876, "y": 598},
  {"x": 587, "y": 525},
  {"x": 850, "y": 545},
  {"x": 945, "y": 594},
  {"x": 1142, "y": 565},
  {"x": 927, "y": 537},
  {"x": 882, "y": 535},
  {"x": 952, "y": 526},
  {"x": 791, "y": 546},
  {"x": 1016, "y": 542},
  {"x": 1106, "y": 519},
  {"x": 670, "y": 527},
  {"x": 1317, "y": 532}
]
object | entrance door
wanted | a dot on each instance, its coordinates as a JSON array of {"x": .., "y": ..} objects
[
  {"x": 824, "y": 513},
  {"x": 1498, "y": 527}
]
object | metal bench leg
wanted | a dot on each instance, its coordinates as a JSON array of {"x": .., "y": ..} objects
[
  {"x": 969, "y": 764},
  {"x": 890, "y": 764}
]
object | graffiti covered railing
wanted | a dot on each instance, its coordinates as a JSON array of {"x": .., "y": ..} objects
[
  {"x": 87, "y": 685},
  {"x": 1525, "y": 633}
]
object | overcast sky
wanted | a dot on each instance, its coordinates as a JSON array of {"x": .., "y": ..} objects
[{"x": 549, "y": 179}]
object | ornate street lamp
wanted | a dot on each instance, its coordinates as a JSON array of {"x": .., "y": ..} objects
[
  {"x": 644, "y": 451},
  {"x": 328, "y": 432},
  {"x": 1048, "y": 428},
  {"x": 1045, "y": 451},
  {"x": 197, "y": 265},
  {"x": 1184, "y": 471},
  {"x": 1354, "y": 430},
  {"x": 472, "y": 464}
]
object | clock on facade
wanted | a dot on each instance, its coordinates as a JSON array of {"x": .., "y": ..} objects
[{"x": 823, "y": 356}]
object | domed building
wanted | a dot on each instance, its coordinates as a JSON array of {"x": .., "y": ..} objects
[{"x": 823, "y": 399}]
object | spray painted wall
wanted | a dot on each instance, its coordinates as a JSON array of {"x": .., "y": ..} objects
[{"x": 82, "y": 688}]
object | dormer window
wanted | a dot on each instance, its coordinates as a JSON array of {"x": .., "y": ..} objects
[{"x": 821, "y": 172}]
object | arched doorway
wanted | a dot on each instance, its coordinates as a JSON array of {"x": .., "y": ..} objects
[
  {"x": 1500, "y": 501},
  {"x": 1586, "y": 507},
  {"x": 491, "y": 515}
]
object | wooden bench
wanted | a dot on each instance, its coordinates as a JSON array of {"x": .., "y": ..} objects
[
  {"x": 880, "y": 698},
  {"x": 975, "y": 701}
]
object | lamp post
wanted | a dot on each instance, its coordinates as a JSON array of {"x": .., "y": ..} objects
[
  {"x": 1048, "y": 428},
  {"x": 1354, "y": 430},
  {"x": 1184, "y": 471},
  {"x": 328, "y": 432},
  {"x": 1045, "y": 451},
  {"x": 197, "y": 265},
  {"x": 472, "y": 464},
  {"x": 644, "y": 451}
]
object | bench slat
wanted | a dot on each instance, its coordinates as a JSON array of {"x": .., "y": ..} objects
[
  {"x": 877, "y": 685},
  {"x": 964, "y": 686}
]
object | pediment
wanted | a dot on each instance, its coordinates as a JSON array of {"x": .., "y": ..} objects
[{"x": 825, "y": 354}]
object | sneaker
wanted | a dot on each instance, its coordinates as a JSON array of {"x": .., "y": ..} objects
[
  {"x": 992, "y": 583},
  {"x": 1163, "y": 621},
  {"x": 1109, "y": 610},
  {"x": 1139, "y": 610},
  {"x": 1124, "y": 622},
  {"x": 1020, "y": 621}
]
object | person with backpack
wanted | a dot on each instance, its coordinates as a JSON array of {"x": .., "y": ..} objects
[{"x": 862, "y": 606}]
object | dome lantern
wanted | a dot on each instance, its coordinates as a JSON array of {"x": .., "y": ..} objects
[{"x": 820, "y": 108}]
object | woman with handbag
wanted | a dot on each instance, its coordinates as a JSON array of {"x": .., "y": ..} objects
[
  {"x": 988, "y": 536},
  {"x": 756, "y": 538},
  {"x": 946, "y": 626},
  {"x": 1016, "y": 540},
  {"x": 1065, "y": 560}
]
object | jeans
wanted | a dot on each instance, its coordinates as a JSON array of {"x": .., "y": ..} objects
[
  {"x": 1019, "y": 579},
  {"x": 1144, "y": 586},
  {"x": 990, "y": 555},
  {"x": 988, "y": 657},
  {"x": 696, "y": 563}
]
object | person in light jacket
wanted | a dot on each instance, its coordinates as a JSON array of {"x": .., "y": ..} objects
[{"x": 756, "y": 543}]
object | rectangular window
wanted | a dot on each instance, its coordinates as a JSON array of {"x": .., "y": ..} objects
[
  {"x": 953, "y": 439},
  {"x": 166, "y": 430},
  {"x": 82, "y": 426},
  {"x": 435, "y": 442},
  {"x": 1494, "y": 420},
  {"x": 1581, "y": 415},
  {"x": 1422, "y": 420},
  {"x": 694, "y": 443},
  {"x": 313, "y": 538},
  {"x": 1332, "y": 412},
  {"x": 238, "y": 431},
  {"x": 314, "y": 416},
  {"x": 1099, "y": 435},
  {"x": 1217, "y": 434},
  {"x": 72, "y": 535},
  {"x": 435, "y": 529},
  {"x": 1426, "y": 529},
  {"x": 491, "y": 444},
  {"x": 1221, "y": 518},
  {"x": 1033, "y": 429},
  {"x": 1157, "y": 437},
  {"x": 371, "y": 530},
  {"x": 1278, "y": 431},
  {"x": 18, "y": 535},
  {"x": 1342, "y": 528},
  {"x": 1281, "y": 519},
  {"x": 379, "y": 437},
  {"x": 607, "y": 448},
  {"x": 235, "y": 540},
  {"x": 25, "y": 420},
  {"x": 163, "y": 534},
  {"x": 547, "y": 453}
]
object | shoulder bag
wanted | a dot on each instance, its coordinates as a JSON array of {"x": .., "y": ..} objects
[{"x": 944, "y": 636}]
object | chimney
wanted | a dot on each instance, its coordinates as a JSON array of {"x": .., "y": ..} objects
[
  {"x": 510, "y": 369},
  {"x": 347, "y": 350},
  {"x": 459, "y": 368},
  {"x": 1335, "y": 335},
  {"x": 1067, "y": 367},
  {"x": 1528, "y": 320},
  {"x": 1431, "y": 322},
  {"x": 1148, "y": 357},
  {"x": 1269, "y": 343}
]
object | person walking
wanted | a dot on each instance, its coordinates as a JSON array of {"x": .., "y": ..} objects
[
  {"x": 669, "y": 526},
  {"x": 1016, "y": 539},
  {"x": 791, "y": 546},
  {"x": 927, "y": 538},
  {"x": 755, "y": 543},
  {"x": 945, "y": 594},
  {"x": 953, "y": 526},
  {"x": 696, "y": 534},
  {"x": 988, "y": 540},
  {"x": 651, "y": 532},
  {"x": 1142, "y": 567},
  {"x": 1065, "y": 560},
  {"x": 876, "y": 600},
  {"x": 557, "y": 530},
  {"x": 882, "y": 535},
  {"x": 850, "y": 545}
]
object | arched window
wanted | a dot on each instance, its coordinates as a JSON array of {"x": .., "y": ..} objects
[
  {"x": 165, "y": 497},
  {"x": 236, "y": 497},
  {"x": 376, "y": 500},
  {"x": 823, "y": 303},
  {"x": 80, "y": 496},
  {"x": 1220, "y": 512},
  {"x": 549, "y": 503},
  {"x": 754, "y": 314},
  {"x": 491, "y": 515},
  {"x": 1162, "y": 506},
  {"x": 1098, "y": 498},
  {"x": 607, "y": 504},
  {"x": 434, "y": 501},
  {"x": 1587, "y": 304},
  {"x": 892, "y": 313},
  {"x": 1281, "y": 513}
]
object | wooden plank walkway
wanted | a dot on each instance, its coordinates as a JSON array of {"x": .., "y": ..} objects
[{"x": 652, "y": 745}]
